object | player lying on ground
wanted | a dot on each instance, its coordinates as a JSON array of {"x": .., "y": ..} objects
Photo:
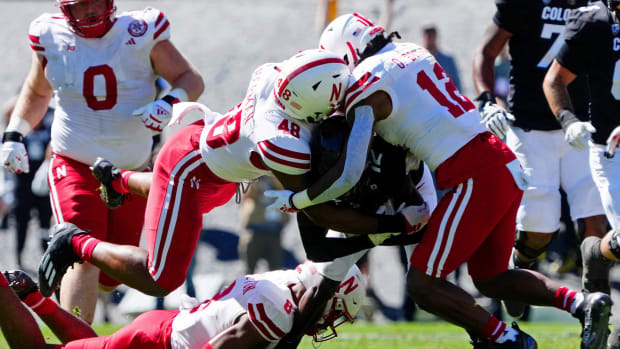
[{"x": 254, "y": 311}]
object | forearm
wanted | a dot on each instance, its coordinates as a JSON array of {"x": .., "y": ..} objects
[
  {"x": 556, "y": 92},
  {"x": 20, "y": 329},
  {"x": 191, "y": 82},
  {"x": 351, "y": 221},
  {"x": 484, "y": 72},
  {"x": 30, "y": 109},
  {"x": 66, "y": 326},
  {"x": 343, "y": 177}
]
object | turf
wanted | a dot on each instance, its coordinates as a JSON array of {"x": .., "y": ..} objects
[{"x": 419, "y": 335}]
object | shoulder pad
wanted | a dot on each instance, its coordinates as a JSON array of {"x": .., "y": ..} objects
[
  {"x": 362, "y": 84},
  {"x": 270, "y": 310},
  {"x": 39, "y": 32},
  {"x": 286, "y": 153}
]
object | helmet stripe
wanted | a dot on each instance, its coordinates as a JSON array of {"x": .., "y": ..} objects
[
  {"x": 353, "y": 54},
  {"x": 305, "y": 67},
  {"x": 363, "y": 19}
]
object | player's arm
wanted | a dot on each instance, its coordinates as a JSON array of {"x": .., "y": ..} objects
[
  {"x": 171, "y": 65},
  {"x": 20, "y": 329},
  {"x": 241, "y": 335},
  {"x": 555, "y": 87},
  {"x": 29, "y": 110},
  {"x": 493, "y": 42},
  {"x": 347, "y": 172}
]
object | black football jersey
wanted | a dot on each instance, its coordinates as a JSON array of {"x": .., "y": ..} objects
[
  {"x": 537, "y": 28},
  {"x": 592, "y": 49}
]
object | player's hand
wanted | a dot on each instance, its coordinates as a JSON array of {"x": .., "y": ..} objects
[
  {"x": 14, "y": 157},
  {"x": 612, "y": 142},
  {"x": 155, "y": 115},
  {"x": 578, "y": 133},
  {"x": 496, "y": 119},
  {"x": 415, "y": 217},
  {"x": 282, "y": 200}
]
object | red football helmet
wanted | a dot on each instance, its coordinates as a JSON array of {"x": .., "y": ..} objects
[{"x": 92, "y": 27}]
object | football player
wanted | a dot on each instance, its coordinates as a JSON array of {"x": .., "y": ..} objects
[
  {"x": 592, "y": 50},
  {"x": 531, "y": 131},
  {"x": 100, "y": 67},
  {"x": 198, "y": 167},
  {"x": 254, "y": 311},
  {"x": 400, "y": 92}
]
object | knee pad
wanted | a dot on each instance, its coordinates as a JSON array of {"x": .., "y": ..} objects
[
  {"x": 614, "y": 244},
  {"x": 529, "y": 252}
]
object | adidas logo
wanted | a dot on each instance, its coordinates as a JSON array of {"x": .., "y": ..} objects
[{"x": 131, "y": 42}]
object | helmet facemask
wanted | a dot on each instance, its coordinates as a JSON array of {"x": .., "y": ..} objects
[{"x": 93, "y": 26}]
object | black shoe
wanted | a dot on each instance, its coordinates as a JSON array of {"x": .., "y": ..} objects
[
  {"x": 593, "y": 313},
  {"x": 106, "y": 173},
  {"x": 479, "y": 342},
  {"x": 58, "y": 257},
  {"x": 523, "y": 341},
  {"x": 21, "y": 283}
]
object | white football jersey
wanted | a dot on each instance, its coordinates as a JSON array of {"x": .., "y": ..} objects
[
  {"x": 98, "y": 82},
  {"x": 257, "y": 129},
  {"x": 266, "y": 298},
  {"x": 429, "y": 115}
]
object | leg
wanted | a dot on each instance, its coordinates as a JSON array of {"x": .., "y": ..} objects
[
  {"x": 78, "y": 291},
  {"x": 20, "y": 329}
]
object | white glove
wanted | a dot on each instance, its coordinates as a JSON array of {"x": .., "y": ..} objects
[
  {"x": 496, "y": 119},
  {"x": 578, "y": 133},
  {"x": 157, "y": 114},
  {"x": 612, "y": 142},
  {"x": 415, "y": 217},
  {"x": 282, "y": 200},
  {"x": 14, "y": 157}
]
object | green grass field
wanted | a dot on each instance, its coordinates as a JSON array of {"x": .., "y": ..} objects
[{"x": 422, "y": 335}]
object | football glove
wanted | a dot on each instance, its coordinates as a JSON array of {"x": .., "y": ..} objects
[
  {"x": 282, "y": 201},
  {"x": 157, "y": 114},
  {"x": 415, "y": 217},
  {"x": 612, "y": 142},
  {"x": 13, "y": 154},
  {"x": 496, "y": 119},
  {"x": 578, "y": 133}
]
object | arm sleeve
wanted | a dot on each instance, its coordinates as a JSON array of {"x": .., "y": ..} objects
[{"x": 355, "y": 160}]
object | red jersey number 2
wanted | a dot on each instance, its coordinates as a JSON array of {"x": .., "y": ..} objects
[{"x": 462, "y": 105}]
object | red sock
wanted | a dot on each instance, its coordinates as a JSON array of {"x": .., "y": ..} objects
[
  {"x": 3, "y": 281},
  {"x": 83, "y": 246},
  {"x": 40, "y": 304},
  {"x": 564, "y": 298},
  {"x": 121, "y": 183},
  {"x": 494, "y": 328}
]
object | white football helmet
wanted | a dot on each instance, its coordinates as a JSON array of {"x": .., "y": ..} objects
[
  {"x": 347, "y": 301},
  {"x": 311, "y": 85},
  {"x": 348, "y": 35}
]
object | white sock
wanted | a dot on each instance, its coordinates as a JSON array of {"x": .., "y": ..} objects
[{"x": 579, "y": 298}]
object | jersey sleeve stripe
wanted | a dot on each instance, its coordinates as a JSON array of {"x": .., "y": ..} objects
[
  {"x": 273, "y": 327},
  {"x": 34, "y": 39},
  {"x": 305, "y": 67},
  {"x": 159, "y": 19},
  {"x": 351, "y": 98},
  {"x": 37, "y": 48},
  {"x": 259, "y": 326},
  {"x": 286, "y": 152},
  {"x": 270, "y": 156},
  {"x": 161, "y": 30}
]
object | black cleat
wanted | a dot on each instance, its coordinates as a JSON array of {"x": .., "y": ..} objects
[
  {"x": 593, "y": 313},
  {"x": 523, "y": 341},
  {"x": 21, "y": 283},
  {"x": 106, "y": 173},
  {"x": 58, "y": 257}
]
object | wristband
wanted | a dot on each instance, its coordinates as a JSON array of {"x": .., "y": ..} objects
[
  {"x": 12, "y": 136},
  {"x": 484, "y": 97},
  {"x": 300, "y": 200},
  {"x": 175, "y": 96},
  {"x": 390, "y": 224},
  {"x": 566, "y": 118},
  {"x": 19, "y": 125}
]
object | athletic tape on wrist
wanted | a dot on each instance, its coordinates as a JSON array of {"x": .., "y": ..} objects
[
  {"x": 301, "y": 200},
  {"x": 20, "y": 125}
]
